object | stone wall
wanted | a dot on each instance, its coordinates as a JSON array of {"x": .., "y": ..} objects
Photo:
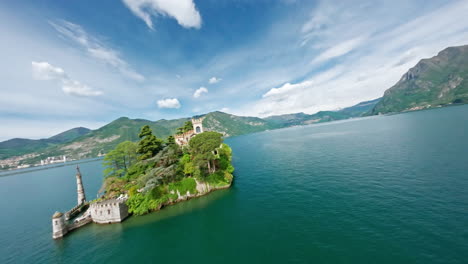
[{"x": 109, "y": 211}]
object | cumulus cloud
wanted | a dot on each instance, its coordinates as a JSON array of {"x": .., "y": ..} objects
[
  {"x": 199, "y": 92},
  {"x": 76, "y": 88},
  {"x": 45, "y": 71},
  {"x": 169, "y": 103},
  {"x": 96, "y": 48},
  {"x": 184, "y": 11},
  {"x": 214, "y": 80}
]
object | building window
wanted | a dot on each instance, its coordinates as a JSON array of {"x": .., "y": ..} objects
[
  {"x": 100, "y": 212},
  {"x": 56, "y": 222},
  {"x": 108, "y": 211}
]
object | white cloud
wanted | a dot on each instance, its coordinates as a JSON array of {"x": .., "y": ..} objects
[
  {"x": 393, "y": 44},
  {"x": 45, "y": 71},
  {"x": 214, "y": 80},
  {"x": 339, "y": 50},
  {"x": 199, "y": 92},
  {"x": 225, "y": 109},
  {"x": 95, "y": 48},
  {"x": 184, "y": 11},
  {"x": 169, "y": 103},
  {"x": 72, "y": 87}
]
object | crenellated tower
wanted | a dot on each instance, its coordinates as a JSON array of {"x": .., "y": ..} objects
[
  {"x": 79, "y": 185},
  {"x": 197, "y": 125}
]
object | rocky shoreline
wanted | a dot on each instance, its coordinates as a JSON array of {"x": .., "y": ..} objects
[{"x": 202, "y": 190}]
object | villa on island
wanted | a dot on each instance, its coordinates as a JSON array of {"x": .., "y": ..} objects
[{"x": 184, "y": 138}]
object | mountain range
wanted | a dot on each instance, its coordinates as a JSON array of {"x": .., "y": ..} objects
[{"x": 438, "y": 81}]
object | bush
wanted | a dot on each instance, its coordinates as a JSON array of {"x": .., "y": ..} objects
[
  {"x": 140, "y": 204},
  {"x": 186, "y": 184}
]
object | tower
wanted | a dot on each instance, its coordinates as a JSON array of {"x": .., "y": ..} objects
[
  {"x": 197, "y": 125},
  {"x": 79, "y": 185},
  {"x": 59, "y": 227}
]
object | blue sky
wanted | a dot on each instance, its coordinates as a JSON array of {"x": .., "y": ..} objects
[{"x": 85, "y": 63}]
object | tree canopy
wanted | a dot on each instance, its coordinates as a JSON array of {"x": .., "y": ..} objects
[
  {"x": 120, "y": 159},
  {"x": 205, "y": 142},
  {"x": 185, "y": 128},
  {"x": 149, "y": 144}
]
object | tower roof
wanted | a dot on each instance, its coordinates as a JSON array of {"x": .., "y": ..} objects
[{"x": 57, "y": 215}]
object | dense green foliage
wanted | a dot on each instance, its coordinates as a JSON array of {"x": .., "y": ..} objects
[
  {"x": 159, "y": 173},
  {"x": 149, "y": 144},
  {"x": 120, "y": 159},
  {"x": 186, "y": 128},
  {"x": 433, "y": 82}
]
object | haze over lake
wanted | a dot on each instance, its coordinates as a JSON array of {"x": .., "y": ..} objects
[{"x": 387, "y": 189}]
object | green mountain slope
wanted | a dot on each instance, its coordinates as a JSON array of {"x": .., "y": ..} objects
[
  {"x": 322, "y": 116},
  {"x": 21, "y": 146},
  {"x": 107, "y": 137},
  {"x": 231, "y": 125},
  {"x": 438, "y": 81},
  {"x": 79, "y": 143}
]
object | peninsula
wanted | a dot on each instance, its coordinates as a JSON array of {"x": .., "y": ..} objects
[{"x": 144, "y": 176}]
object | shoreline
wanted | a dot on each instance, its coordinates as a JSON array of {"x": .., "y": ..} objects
[
  {"x": 203, "y": 189},
  {"x": 4, "y": 173}
]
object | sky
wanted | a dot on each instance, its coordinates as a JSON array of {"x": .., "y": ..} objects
[{"x": 65, "y": 64}]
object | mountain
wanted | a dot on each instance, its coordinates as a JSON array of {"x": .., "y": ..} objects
[
  {"x": 232, "y": 125},
  {"x": 107, "y": 137},
  {"x": 20, "y": 146},
  {"x": 322, "y": 116},
  {"x": 79, "y": 143},
  {"x": 438, "y": 81}
]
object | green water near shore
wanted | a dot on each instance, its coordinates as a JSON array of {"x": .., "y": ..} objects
[{"x": 386, "y": 189}]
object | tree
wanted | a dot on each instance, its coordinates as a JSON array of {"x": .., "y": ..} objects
[
  {"x": 188, "y": 126},
  {"x": 170, "y": 140},
  {"x": 185, "y": 128},
  {"x": 203, "y": 147},
  {"x": 120, "y": 159},
  {"x": 149, "y": 144}
]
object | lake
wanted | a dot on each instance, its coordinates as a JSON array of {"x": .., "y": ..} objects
[{"x": 386, "y": 189}]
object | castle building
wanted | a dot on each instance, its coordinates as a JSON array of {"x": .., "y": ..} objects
[
  {"x": 183, "y": 139},
  {"x": 102, "y": 212},
  {"x": 109, "y": 211}
]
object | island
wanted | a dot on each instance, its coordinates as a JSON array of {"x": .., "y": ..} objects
[{"x": 145, "y": 176}]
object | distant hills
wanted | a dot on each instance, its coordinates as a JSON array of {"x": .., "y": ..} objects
[
  {"x": 79, "y": 143},
  {"x": 439, "y": 81},
  {"x": 20, "y": 146},
  {"x": 358, "y": 110}
]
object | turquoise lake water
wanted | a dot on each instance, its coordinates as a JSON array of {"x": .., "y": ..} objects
[{"x": 390, "y": 189}]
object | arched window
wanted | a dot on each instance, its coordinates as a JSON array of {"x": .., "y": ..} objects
[{"x": 197, "y": 129}]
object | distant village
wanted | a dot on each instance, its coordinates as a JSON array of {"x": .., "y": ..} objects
[{"x": 15, "y": 162}]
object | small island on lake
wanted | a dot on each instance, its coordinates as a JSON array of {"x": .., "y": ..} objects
[{"x": 144, "y": 176}]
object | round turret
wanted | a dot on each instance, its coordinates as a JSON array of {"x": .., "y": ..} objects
[{"x": 59, "y": 227}]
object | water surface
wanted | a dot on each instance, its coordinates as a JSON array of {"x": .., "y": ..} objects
[{"x": 389, "y": 189}]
